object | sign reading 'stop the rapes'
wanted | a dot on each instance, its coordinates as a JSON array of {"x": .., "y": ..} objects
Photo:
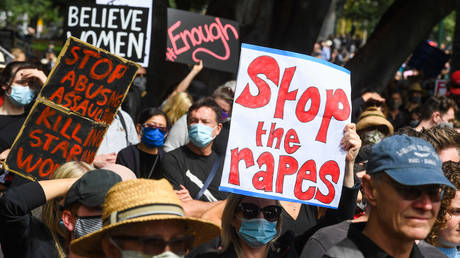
[
  {"x": 72, "y": 112},
  {"x": 288, "y": 117},
  {"x": 193, "y": 37}
]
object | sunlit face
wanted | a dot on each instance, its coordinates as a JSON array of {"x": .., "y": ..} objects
[
  {"x": 449, "y": 154},
  {"x": 236, "y": 222},
  {"x": 449, "y": 116},
  {"x": 450, "y": 236},
  {"x": 205, "y": 116},
  {"x": 224, "y": 105},
  {"x": 400, "y": 217}
]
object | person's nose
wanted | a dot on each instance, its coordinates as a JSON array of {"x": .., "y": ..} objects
[{"x": 424, "y": 202}]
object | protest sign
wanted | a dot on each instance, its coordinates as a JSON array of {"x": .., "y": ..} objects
[
  {"x": 122, "y": 30},
  {"x": 72, "y": 112},
  {"x": 288, "y": 117},
  {"x": 440, "y": 88},
  {"x": 193, "y": 37}
]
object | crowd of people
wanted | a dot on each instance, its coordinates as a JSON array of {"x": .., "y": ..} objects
[{"x": 153, "y": 188}]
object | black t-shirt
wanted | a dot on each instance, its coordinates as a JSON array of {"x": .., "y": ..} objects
[
  {"x": 9, "y": 128},
  {"x": 148, "y": 161},
  {"x": 183, "y": 167}
]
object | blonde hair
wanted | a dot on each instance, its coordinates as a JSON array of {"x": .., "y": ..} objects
[
  {"x": 50, "y": 215},
  {"x": 228, "y": 233},
  {"x": 177, "y": 106}
]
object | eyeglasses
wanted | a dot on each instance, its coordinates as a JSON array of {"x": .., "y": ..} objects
[
  {"x": 161, "y": 128},
  {"x": 250, "y": 211},
  {"x": 412, "y": 193},
  {"x": 155, "y": 245}
]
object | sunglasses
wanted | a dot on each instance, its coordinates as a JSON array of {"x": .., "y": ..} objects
[
  {"x": 161, "y": 128},
  {"x": 251, "y": 211},
  {"x": 156, "y": 245},
  {"x": 412, "y": 193}
]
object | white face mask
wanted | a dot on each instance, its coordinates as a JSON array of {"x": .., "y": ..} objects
[{"x": 138, "y": 254}]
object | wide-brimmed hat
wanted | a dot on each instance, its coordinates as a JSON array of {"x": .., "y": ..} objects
[
  {"x": 373, "y": 117},
  {"x": 137, "y": 201}
]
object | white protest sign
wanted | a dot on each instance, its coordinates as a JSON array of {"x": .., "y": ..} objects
[
  {"x": 288, "y": 117},
  {"x": 440, "y": 88}
]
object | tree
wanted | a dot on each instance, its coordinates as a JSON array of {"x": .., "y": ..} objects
[{"x": 403, "y": 26}]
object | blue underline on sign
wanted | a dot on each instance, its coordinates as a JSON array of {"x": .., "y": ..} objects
[
  {"x": 267, "y": 196},
  {"x": 293, "y": 54}
]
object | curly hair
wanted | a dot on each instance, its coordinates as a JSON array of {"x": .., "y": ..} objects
[
  {"x": 441, "y": 137},
  {"x": 452, "y": 172}
]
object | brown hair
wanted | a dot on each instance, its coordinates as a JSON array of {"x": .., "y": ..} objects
[
  {"x": 441, "y": 137},
  {"x": 452, "y": 172},
  {"x": 206, "y": 102}
]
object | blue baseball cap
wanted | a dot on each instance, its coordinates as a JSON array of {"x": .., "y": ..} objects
[{"x": 408, "y": 161}]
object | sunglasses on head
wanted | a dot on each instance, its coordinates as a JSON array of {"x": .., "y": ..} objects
[
  {"x": 156, "y": 245},
  {"x": 412, "y": 193},
  {"x": 161, "y": 128},
  {"x": 251, "y": 211}
]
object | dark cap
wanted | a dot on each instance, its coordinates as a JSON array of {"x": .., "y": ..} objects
[
  {"x": 91, "y": 188},
  {"x": 408, "y": 161}
]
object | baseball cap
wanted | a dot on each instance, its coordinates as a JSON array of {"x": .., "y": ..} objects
[
  {"x": 408, "y": 161},
  {"x": 91, "y": 188}
]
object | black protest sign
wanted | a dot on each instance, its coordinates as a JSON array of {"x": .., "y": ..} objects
[
  {"x": 50, "y": 137},
  {"x": 89, "y": 81},
  {"x": 72, "y": 112},
  {"x": 122, "y": 30},
  {"x": 193, "y": 37}
]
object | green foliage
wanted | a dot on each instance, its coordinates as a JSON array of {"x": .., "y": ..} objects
[
  {"x": 365, "y": 13},
  {"x": 45, "y": 9},
  {"x": 446, "y": 35}
]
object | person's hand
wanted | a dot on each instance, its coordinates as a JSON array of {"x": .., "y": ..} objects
[
  {"x": 350, "y": 142},
  {"x": 4, "y": 154},
  {"x": 198, "y": 67},
  {"x": 183, "y": 194},
  {"x": 372, "y": 96},
  {"x": 103, "y": 160},
  {"x": 33, "y": 73}
]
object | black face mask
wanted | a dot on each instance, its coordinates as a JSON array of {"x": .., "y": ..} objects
[{"x": 87, "y": 224}]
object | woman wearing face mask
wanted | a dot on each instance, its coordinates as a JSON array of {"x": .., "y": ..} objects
[
  {"x": 250, "y": 228},
  {"x": 20, "y": 82},
  {"x": 144, "y": 157}
]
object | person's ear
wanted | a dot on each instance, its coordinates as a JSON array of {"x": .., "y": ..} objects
[
  {"x": 369, "y": 188},
  {"x": 436, "y": 117},
  {"x": 138, "y": 129},
  {"x": 69, "y": 220},
  {"x": 4, "y": 87},
  {"x": 218, "y": 129}
]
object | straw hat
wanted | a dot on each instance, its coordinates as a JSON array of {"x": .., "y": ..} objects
[
  {"x": 373, "y": 117},
  {"x": 142, "y": 200}
]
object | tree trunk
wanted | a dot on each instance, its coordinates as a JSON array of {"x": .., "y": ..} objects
[
  {"x": 455, "y": 63},
  {"x": 403, "y": 26}
]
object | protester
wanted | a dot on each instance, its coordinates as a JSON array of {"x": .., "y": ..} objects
[
  {"x": 403, "y": 188},
  {"x": 144, "y": 158},
  {"x": 177, "y": 106},
  {"x": 415, "y": 97},
  {"x": 445, "y": 234},
  {"x": 52, "y": 211},
  {"x": 396, "y": 114},
  {"x": 372, "y": 126},
  {"x": 445, "y": 140},
  {"x": 121, "y": 134},
  {"x": 250, "y": 228},
  {"x": 437, "y": 111},
  {"x": 144, "y": 218},
  {"x": 190, "y": 166},
  {"x": 178, "y": 136}
]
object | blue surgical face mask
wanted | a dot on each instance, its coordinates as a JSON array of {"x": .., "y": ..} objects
[
  {"x": 257, "y": 232},
  {"x": 200, "y": 135},
  {"x": 153, "y": 137},
  {"x": 20, "y": 95}
]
